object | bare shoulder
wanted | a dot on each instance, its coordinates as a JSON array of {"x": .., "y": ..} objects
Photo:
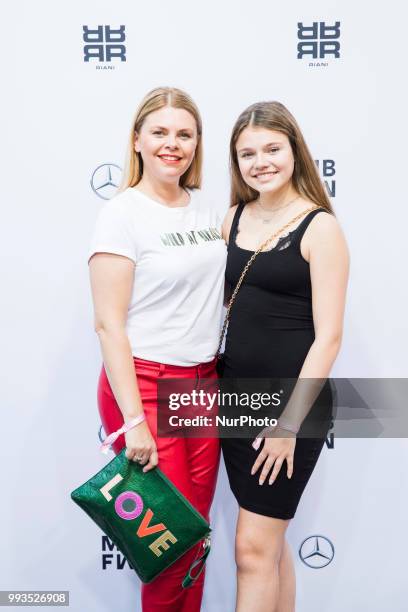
[
  {"x": 324, "y": 225},
  {"x": 226, "y": 224},
  {"x": 324, "y": 238}
]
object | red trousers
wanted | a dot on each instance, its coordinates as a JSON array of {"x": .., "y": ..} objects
[{"x": 190, "y": 463}]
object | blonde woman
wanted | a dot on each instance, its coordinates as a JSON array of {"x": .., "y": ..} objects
[
  {"x": 157, "y": 264},
  {"x": 286, "y": 322}
]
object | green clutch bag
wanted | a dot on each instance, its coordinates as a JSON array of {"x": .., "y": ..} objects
[{"x": 145, "y": 516}]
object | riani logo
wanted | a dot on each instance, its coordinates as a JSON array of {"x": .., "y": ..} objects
[
  {"x": 318, "y": 41},
  {"x": 327, "y": 169},
  {"x": 103, "y": 45}
]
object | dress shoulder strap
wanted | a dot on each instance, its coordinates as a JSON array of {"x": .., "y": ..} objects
[
  {"x": 235, "y": 221},
  {"x": 303, "y": 225}
]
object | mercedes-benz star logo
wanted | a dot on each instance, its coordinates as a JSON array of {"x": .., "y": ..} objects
[
  {"x": 105, "y": 180},
  {"x": 316, "y": 551}
]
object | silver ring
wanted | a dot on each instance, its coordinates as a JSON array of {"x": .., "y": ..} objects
[{"x": 139, "y": 459}]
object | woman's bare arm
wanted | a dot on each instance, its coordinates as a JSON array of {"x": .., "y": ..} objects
[
  {"x": 329, "y": 271},
  {"x": 328, "y": 257},
  {"x": 326, "y": 251},
  {"x": 111, "y": 279}
]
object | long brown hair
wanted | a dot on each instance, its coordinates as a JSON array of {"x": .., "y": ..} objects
[
  {"x": 155, "y": 100},
  {"x": 305, "y": 178}
]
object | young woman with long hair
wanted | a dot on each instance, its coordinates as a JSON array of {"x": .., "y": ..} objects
[
  {"x": 157, "y": 263},
  {"x": 286, "y": 322}
]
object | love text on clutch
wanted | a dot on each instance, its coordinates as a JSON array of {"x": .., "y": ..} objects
[{"x": 164, "y": 541}]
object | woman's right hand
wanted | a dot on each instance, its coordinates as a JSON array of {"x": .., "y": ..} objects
[{"x": 141, "y": 447}]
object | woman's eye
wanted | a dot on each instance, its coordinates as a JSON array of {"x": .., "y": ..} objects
[
  {"x": 158, "y": 132},
  {"x": 246, "y": 155},
  {"x": 274, "y": 150},
  {"x": 185, "y": 135}
]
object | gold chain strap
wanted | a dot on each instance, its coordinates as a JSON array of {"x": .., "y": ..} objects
[{"x": 248, "y": 265}]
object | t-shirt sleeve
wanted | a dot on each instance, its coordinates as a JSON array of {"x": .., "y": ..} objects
[
  {"x": 220, "y": 220},
  {"x": 113, "y": 232},
  {"x": 217, "y": 220}
]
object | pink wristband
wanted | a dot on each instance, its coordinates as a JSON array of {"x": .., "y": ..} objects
[{"x": 115, "y": 435}]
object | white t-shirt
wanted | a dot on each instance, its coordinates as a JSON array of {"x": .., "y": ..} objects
[{"x": 175, "y": 310}]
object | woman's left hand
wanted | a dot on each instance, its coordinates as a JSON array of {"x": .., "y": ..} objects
[{"x": 278, "y": 446}]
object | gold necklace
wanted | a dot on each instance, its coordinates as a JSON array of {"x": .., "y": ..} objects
[{"x": 275, "y": 210}]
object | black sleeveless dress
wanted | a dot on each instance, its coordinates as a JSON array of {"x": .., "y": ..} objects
[{"x": 269, "y": 335}]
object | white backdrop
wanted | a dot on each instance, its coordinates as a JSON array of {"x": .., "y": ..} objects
[{"x": 65, "y": 118}]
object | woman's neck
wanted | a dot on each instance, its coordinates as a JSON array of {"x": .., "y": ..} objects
[
  {"x": 276, "y": 199},
  {"x": 169, "y": 193}
]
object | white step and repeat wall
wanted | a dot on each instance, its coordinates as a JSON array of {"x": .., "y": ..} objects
[{"x": 338, "y": 66}]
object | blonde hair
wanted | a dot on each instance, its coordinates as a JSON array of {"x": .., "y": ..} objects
[
  {"x": 305, "y": 178},
  {"x": 155, "y": 100}
]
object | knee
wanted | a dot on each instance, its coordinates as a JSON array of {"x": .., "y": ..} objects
[{"x": 256, "y": 555}]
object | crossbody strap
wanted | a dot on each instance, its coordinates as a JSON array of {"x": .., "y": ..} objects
[{"x": 249, "y": 264}]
